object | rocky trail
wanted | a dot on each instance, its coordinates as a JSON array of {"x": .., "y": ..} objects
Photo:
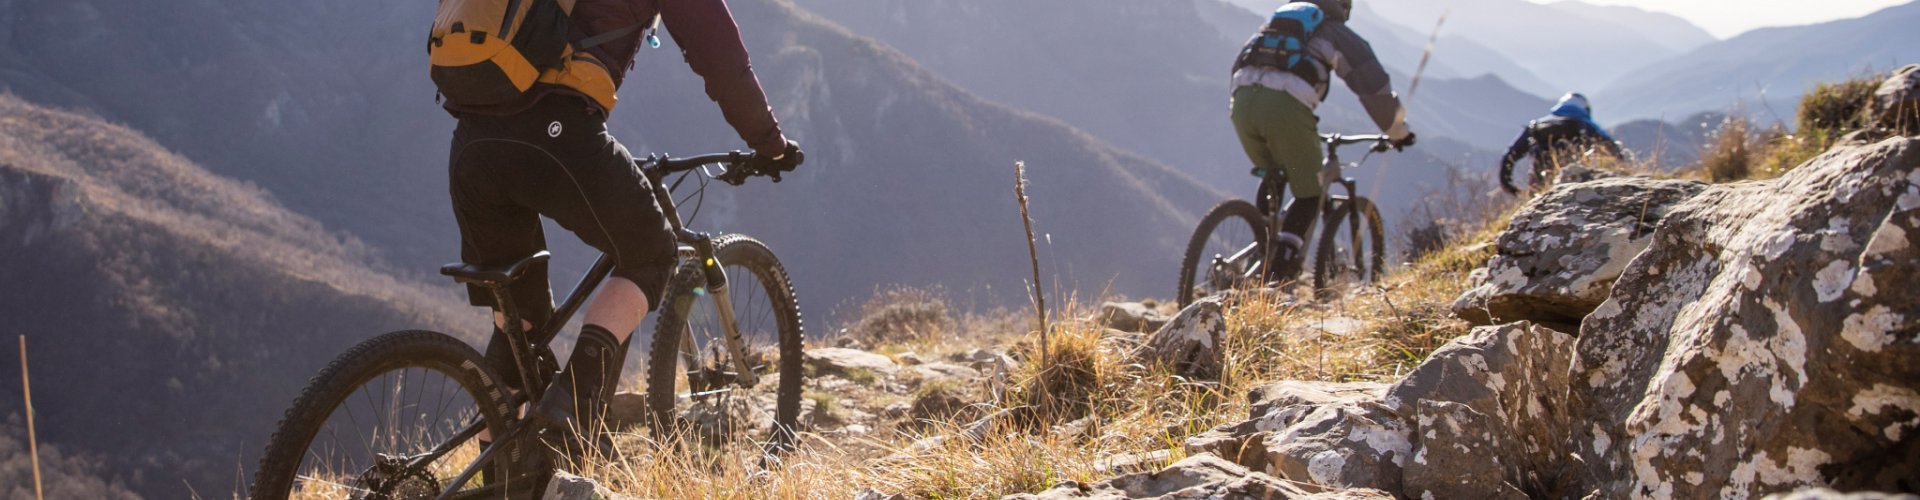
[{"x": 1622, "y": 336}]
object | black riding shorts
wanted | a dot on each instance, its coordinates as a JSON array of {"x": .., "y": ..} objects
[{"x": 554, "y": 159}]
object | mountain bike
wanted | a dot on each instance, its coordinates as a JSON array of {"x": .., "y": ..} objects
[
  {"x": 400, "y": 416},
  {"x": 1235, "y": 240}
]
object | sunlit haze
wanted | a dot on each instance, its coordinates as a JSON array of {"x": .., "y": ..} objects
[{"x": 1727, "y": 18}]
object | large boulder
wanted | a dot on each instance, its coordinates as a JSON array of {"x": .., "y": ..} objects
[
  {"x": 1560, "y": 255},
  {"x": 1190, "y": 343},
  {"x": 1767, "y": 339},
  {"x": 1896, "y": 103}
]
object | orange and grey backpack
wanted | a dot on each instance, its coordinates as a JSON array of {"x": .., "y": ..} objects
[{"x": 491, "y": 52}]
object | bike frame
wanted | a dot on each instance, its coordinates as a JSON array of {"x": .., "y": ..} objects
[
  {"x": 522, "y": 342},
  {"x": 1279, "y": 200}
]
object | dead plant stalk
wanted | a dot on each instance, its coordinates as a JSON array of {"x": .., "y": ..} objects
[
  {"x": 1033, "y": 256},
  {"x": 33, "y": 442}
]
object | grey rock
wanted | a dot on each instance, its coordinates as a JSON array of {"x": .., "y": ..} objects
[
  {"x": 847, "y": 362},
  {"x": 1190, "y": 343},
  {"x": 1581, "y": 173},
  {"x": 1829, "y": 494},
  {"x": 1559, "y": 257},
  {"x": 873, "y": 494},
  {"x": 1896, "y": 103},
  {"x": 1276, "y": 406},
  {"x": 1767, "y": 339},
  {"x": 1343, "y": 445},
  {"x": 944, "y": 371},
  {"x": 1130, "y": 317},
  {"x": 1460, "y": 453},
  {"x": 1197, "y": 477},
  {"x": 1513, "y": 381},
  {"x": 565, "y": 486},
  {"x": 1288, "y": 394}
]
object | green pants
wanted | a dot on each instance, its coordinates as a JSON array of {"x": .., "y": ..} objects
[{"x": 1279, "y": 134}]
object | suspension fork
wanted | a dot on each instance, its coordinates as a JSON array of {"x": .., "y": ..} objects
[
  {"x": 716, "y": 278},
  {"x": 714, "y": 273}
]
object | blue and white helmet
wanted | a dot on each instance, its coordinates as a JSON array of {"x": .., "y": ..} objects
[{"x": 1306, "y": 13}]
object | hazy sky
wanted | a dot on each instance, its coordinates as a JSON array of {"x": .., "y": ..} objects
[{"x": 1726, "y": 18}]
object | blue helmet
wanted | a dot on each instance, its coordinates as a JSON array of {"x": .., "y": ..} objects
[{"x": 1307, "y": 15}]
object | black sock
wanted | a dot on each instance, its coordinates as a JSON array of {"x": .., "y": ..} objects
[
  {"x": 1297, "y": 222},
  {"x": 593, "y": 368}
]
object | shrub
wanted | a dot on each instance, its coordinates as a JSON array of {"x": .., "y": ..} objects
[{"x": 902, "y": 315}]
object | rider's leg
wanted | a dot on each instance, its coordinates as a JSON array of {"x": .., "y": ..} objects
[
  {"x": 589, "y": 184},
  {"x": 1291, "y": 137},
  {"x": 593, "y": 370}
]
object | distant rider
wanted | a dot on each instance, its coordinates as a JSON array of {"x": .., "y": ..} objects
[
  {"x": 1556, "y": 140},
  {"x": 1279, "y": 78}
]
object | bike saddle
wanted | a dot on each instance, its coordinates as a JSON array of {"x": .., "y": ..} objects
[{"x": 492, "y": 276}]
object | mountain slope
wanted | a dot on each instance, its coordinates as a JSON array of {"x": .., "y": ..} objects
[
  {"x": 342, "y": 126},
  {"x": 1569, "y": 47},
  {"x": 1165, "y": 94},
  {"x": 1781, "y": 62},
  {"x": 1401, "y": 46},
  {"x": 172, "y": 314},
  {"x": 909, "y": 178}
]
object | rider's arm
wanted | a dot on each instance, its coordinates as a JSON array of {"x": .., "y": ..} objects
[
  {"x": 1518, "y": 150},
  {"x": 710, "y": 42},
  {"x": 1606, "y": 140},
  {"x": 1355, "y": 64}
]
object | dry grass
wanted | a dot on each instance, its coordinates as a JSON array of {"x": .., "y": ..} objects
[
  {"x": 1094, "y": 402},
  {"x": 1741, "y": 150}
]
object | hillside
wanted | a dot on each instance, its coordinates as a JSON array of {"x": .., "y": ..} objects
[
  {"x": 1173, "y": 83},
  {"x": 1775, "y": 63},
  {"x": 345, "y": 130},
  {"x": 1400, "y": 47},
  {"x": 172, "y": 314},
  {"x": 1572, "y": 48}
]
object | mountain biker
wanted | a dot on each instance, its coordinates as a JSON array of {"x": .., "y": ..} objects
[
  {"x": 549, "y": 153},
  {"x": 1275, "y": 93},
  {"x": 1555, "y": 140}
]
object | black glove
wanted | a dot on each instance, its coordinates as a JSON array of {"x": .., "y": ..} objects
[
  {"x": 786, "y": 161},
  {"x": 1403, "y": 142},
  {"x": 761, "y": 164}
]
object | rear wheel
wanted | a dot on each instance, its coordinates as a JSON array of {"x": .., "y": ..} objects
[
  {"x": 1352, "y": 249},
  {"x": 1227, "y": 250},
  {"x": 693, "y": 381},
  {"x": 369, "y": 424}
]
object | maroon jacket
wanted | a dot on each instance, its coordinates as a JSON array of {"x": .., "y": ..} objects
[{"x": 709, "y": 41}]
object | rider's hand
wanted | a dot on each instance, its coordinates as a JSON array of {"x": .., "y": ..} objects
[
  {"x": 783, "y": 161},
  {"x": 1403, "y": 142},
  {"x": 1507, "y": 185}
]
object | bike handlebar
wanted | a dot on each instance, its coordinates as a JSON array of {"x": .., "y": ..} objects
[
  {"x": 739, "y": 165},
  {"x": 1380, "y": 142}
]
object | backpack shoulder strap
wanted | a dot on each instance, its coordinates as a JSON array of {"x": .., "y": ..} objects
[{"x": 596, "y": 40}]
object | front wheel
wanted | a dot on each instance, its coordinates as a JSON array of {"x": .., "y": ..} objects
[
  {"x": 690, "y": 352},
  {"x": 392, "y": 418},
  {"x": 1227, "y": 250},
  {"x": 1352, "y": 249}
]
